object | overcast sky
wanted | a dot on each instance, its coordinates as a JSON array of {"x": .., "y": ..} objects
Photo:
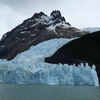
[{"x": 79, "y": 13}]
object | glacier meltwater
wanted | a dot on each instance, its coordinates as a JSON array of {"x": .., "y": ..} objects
[{"x": 29, "y": 67}]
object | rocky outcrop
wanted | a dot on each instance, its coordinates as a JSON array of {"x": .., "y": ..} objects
[
  {"x": 82, "y": 50},
  {"x": 34, "y": 30}
]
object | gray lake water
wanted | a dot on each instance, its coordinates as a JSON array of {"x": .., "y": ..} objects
[{"x": 45, "y": 92}]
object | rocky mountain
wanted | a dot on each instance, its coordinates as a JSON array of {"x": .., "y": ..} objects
[
  {"x": 85, "y": 49},
  {"x": 34, "y": 30}
]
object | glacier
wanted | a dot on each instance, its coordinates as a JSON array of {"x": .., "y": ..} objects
[
  {"x": 91, "y": 29},
  {"x": 29, "y": 67}
]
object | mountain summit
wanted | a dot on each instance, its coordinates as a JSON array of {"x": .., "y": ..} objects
[{"x": 34, "y": 30}]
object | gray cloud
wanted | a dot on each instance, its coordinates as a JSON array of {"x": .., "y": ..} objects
[
  {"x": 80, "y": 13},
  {"x": 31, "y": 6}
]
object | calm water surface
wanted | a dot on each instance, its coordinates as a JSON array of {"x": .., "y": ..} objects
[{"x": 45, "y": 92}]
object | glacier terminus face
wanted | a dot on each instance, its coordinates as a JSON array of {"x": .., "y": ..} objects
[{"x": 29, "y": 68}]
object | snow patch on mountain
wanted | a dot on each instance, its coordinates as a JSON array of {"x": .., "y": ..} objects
[
  {"x": 29, "y": 67},
  {"x": 49, "y": 22},
  {"x": 91, "y": 29},
  {"x": 63, "y": 25}
]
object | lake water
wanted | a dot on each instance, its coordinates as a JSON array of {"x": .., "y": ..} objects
[{"x": 45, "y": 92}]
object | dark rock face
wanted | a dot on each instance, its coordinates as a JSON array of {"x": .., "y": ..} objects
[
  {"x": 35, "y": 30},
  {"x": 81, "y": 50}
]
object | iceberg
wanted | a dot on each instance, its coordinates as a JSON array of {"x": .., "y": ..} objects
[{"x": 29, "y": 67}]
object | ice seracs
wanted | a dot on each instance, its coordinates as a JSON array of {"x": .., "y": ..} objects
[{"x": 29, "y": 67}]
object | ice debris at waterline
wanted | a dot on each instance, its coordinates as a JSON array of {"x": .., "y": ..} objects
[{"x": 29, "y": 67}]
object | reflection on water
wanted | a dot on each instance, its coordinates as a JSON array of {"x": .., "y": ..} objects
[{"x": 45, "y": 92}]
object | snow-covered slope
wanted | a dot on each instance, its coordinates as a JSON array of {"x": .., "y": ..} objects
[
  {"x": 91, "y": 29},
  {"x": 29, "y": 67}
]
